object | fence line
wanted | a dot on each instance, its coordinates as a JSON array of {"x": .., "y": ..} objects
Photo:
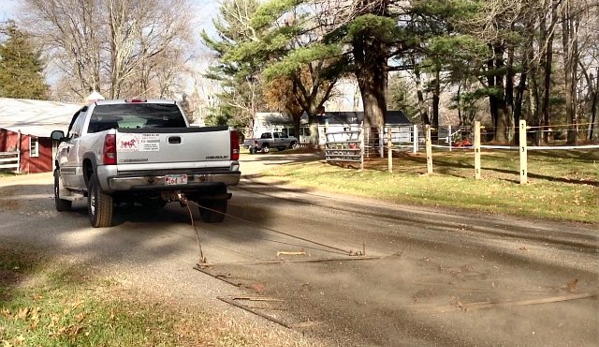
[
  {"x": 354, "y": 145},
  {"x": 523, "y": 149}
]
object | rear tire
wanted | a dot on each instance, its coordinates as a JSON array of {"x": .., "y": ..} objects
[
  {"x": 265, "y": 149},
  {"x": 99, "y": 205},
  {"x": 294, "y": 145},
  {"x": 208, "y": 215},
  {"x": 61, "y": 204},
  {"x": 211, "y": 210}
]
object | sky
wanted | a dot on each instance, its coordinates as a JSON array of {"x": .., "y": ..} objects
[{"x": 7, "y": 9}]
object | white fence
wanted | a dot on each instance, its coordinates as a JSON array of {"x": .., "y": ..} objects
[
  {"x": 476, "y": 147},
  {"x": 10, "y": 161}
]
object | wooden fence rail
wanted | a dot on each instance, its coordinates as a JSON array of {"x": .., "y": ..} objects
[{"x": 10, "y": 160}]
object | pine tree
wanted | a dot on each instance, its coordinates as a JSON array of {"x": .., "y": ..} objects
[
  {"x": 241, "y": 91},
  {"x": 21, "y": 69}
]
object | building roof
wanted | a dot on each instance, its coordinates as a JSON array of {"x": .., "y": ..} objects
[
  {"x": 35, "y": 117},
  {"x": 269, "y": 119}
]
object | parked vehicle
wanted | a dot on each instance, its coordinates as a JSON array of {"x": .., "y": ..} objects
[
  {"x": 271, "y": 139},
  {"x": 140, "y": 151}
]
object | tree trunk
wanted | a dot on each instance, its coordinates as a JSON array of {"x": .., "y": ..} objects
[
  {"x": 459, "y": 101},
  {"x": 570, "y": 44},
  {"x": 594, "y": 107},
  {"x": 527, "y": 61},
  {"x": 372, "y": 75},
  {"x": 436, "y": 99},
  {"x": 509, "y": 94},
  {"x": 497, "y": 103},
  {"x": 546, "y": 45},
  {"x": 520, "y": 90},
  {"x": 422, "y": 109}
]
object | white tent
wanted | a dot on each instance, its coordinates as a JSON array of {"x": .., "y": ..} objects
[
  {"x": 35, "y": 117},
  {"x": 93, "y": 97}
]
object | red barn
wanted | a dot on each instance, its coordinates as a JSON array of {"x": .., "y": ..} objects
[{"x": 25, "y": 127}]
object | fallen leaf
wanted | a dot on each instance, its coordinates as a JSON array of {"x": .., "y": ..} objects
[
  {"x": 23, "y": 313},
  {"x": 258, "y": 287},
  {"x": 573, "y": 286}
]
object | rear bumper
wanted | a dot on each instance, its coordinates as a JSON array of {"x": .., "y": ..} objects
[{"x": 157, "y": 182}]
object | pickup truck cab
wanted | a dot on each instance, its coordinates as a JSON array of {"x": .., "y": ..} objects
[
  {"x": 271, "y": 139},
  {"x": 143, "y": 151}
]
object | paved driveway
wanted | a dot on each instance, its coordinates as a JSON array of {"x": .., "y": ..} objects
[{"x": 347, "y": 271}]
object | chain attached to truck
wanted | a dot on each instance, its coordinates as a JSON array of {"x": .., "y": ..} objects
[{"x": 182, "y": 199}]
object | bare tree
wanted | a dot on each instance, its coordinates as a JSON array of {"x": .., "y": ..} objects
[{"x": 120, "y": 47}]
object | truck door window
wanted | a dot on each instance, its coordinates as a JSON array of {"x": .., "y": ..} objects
[
  {"x": 77, "y": 127},
  {"x": 266, "y": 136},
  {"x": 283, "y": 135},
  {"x": 276, "y": 135}
]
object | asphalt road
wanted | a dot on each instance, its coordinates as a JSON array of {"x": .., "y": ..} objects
[{"x": 343, "y": 270}]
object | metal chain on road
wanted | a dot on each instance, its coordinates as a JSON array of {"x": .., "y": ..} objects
[{"x": 203, "y": 259}]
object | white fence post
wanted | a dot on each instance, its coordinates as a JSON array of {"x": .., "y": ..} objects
[
  {"x": 389, "y": 150},
  {"x": 362, "y": 146},
  {"x": 381, "y": 141},
  {"x": 429, "y": 150},
  {"x": 449, "y": 136},
  {"x": 523, "y": 153},
  {"x": 415, "y": 138},
  {"x": 477, "y": 174}
]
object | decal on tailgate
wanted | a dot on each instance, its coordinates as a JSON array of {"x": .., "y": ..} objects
[{"x": 138, "y": 142}]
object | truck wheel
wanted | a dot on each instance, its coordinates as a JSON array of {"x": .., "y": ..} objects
[
  {"x": 99, "y": 205},
  {"x": 294, "y": 145},
  {"x": 61, "y": 204},
  {"x": 265, "y": 149},
  {"x": 212, "y": 210},
  {"x": 252, "y": 150}
]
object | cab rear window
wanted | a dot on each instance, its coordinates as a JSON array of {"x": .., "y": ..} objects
[{"x": 135, "y": 116}]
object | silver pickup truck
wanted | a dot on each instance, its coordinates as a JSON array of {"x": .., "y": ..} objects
[
  {"x": 140, "y": 151},
  {"x": 271, "y": 139}
]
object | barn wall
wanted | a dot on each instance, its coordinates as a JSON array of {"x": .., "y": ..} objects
[
  {"x": 43, "y": 163},
  {"x": 8, "y": 140}
]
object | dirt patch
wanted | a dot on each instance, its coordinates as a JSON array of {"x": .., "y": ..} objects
[
  {"x": 8, "y": 277},
  {"x": 7, "y": 202}
]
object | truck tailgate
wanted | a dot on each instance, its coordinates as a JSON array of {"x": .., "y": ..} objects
[{"x": 173, "y": 145}]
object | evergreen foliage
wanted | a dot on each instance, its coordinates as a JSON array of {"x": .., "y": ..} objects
[
  {"x": 21, "y": 67},
  {"x": 495, "y": 52},
  {"x": 241, "y": 91}
]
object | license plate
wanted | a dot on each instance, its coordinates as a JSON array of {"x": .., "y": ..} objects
[{"x": 170, "y": 180}]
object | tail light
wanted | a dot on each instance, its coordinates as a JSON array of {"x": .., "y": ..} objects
[
  {"x": 234, "y": 145},
  {"x": 110, "y": 149}
]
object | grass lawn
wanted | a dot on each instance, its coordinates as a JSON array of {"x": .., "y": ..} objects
[
  {"x": 46, "y": 302},
  {"x": 562, "y": 185}
]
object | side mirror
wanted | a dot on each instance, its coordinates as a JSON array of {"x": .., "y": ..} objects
[{"x": 57, "y": 135}]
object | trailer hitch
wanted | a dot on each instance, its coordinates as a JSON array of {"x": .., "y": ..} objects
[{"x": 175, "y": 196}]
